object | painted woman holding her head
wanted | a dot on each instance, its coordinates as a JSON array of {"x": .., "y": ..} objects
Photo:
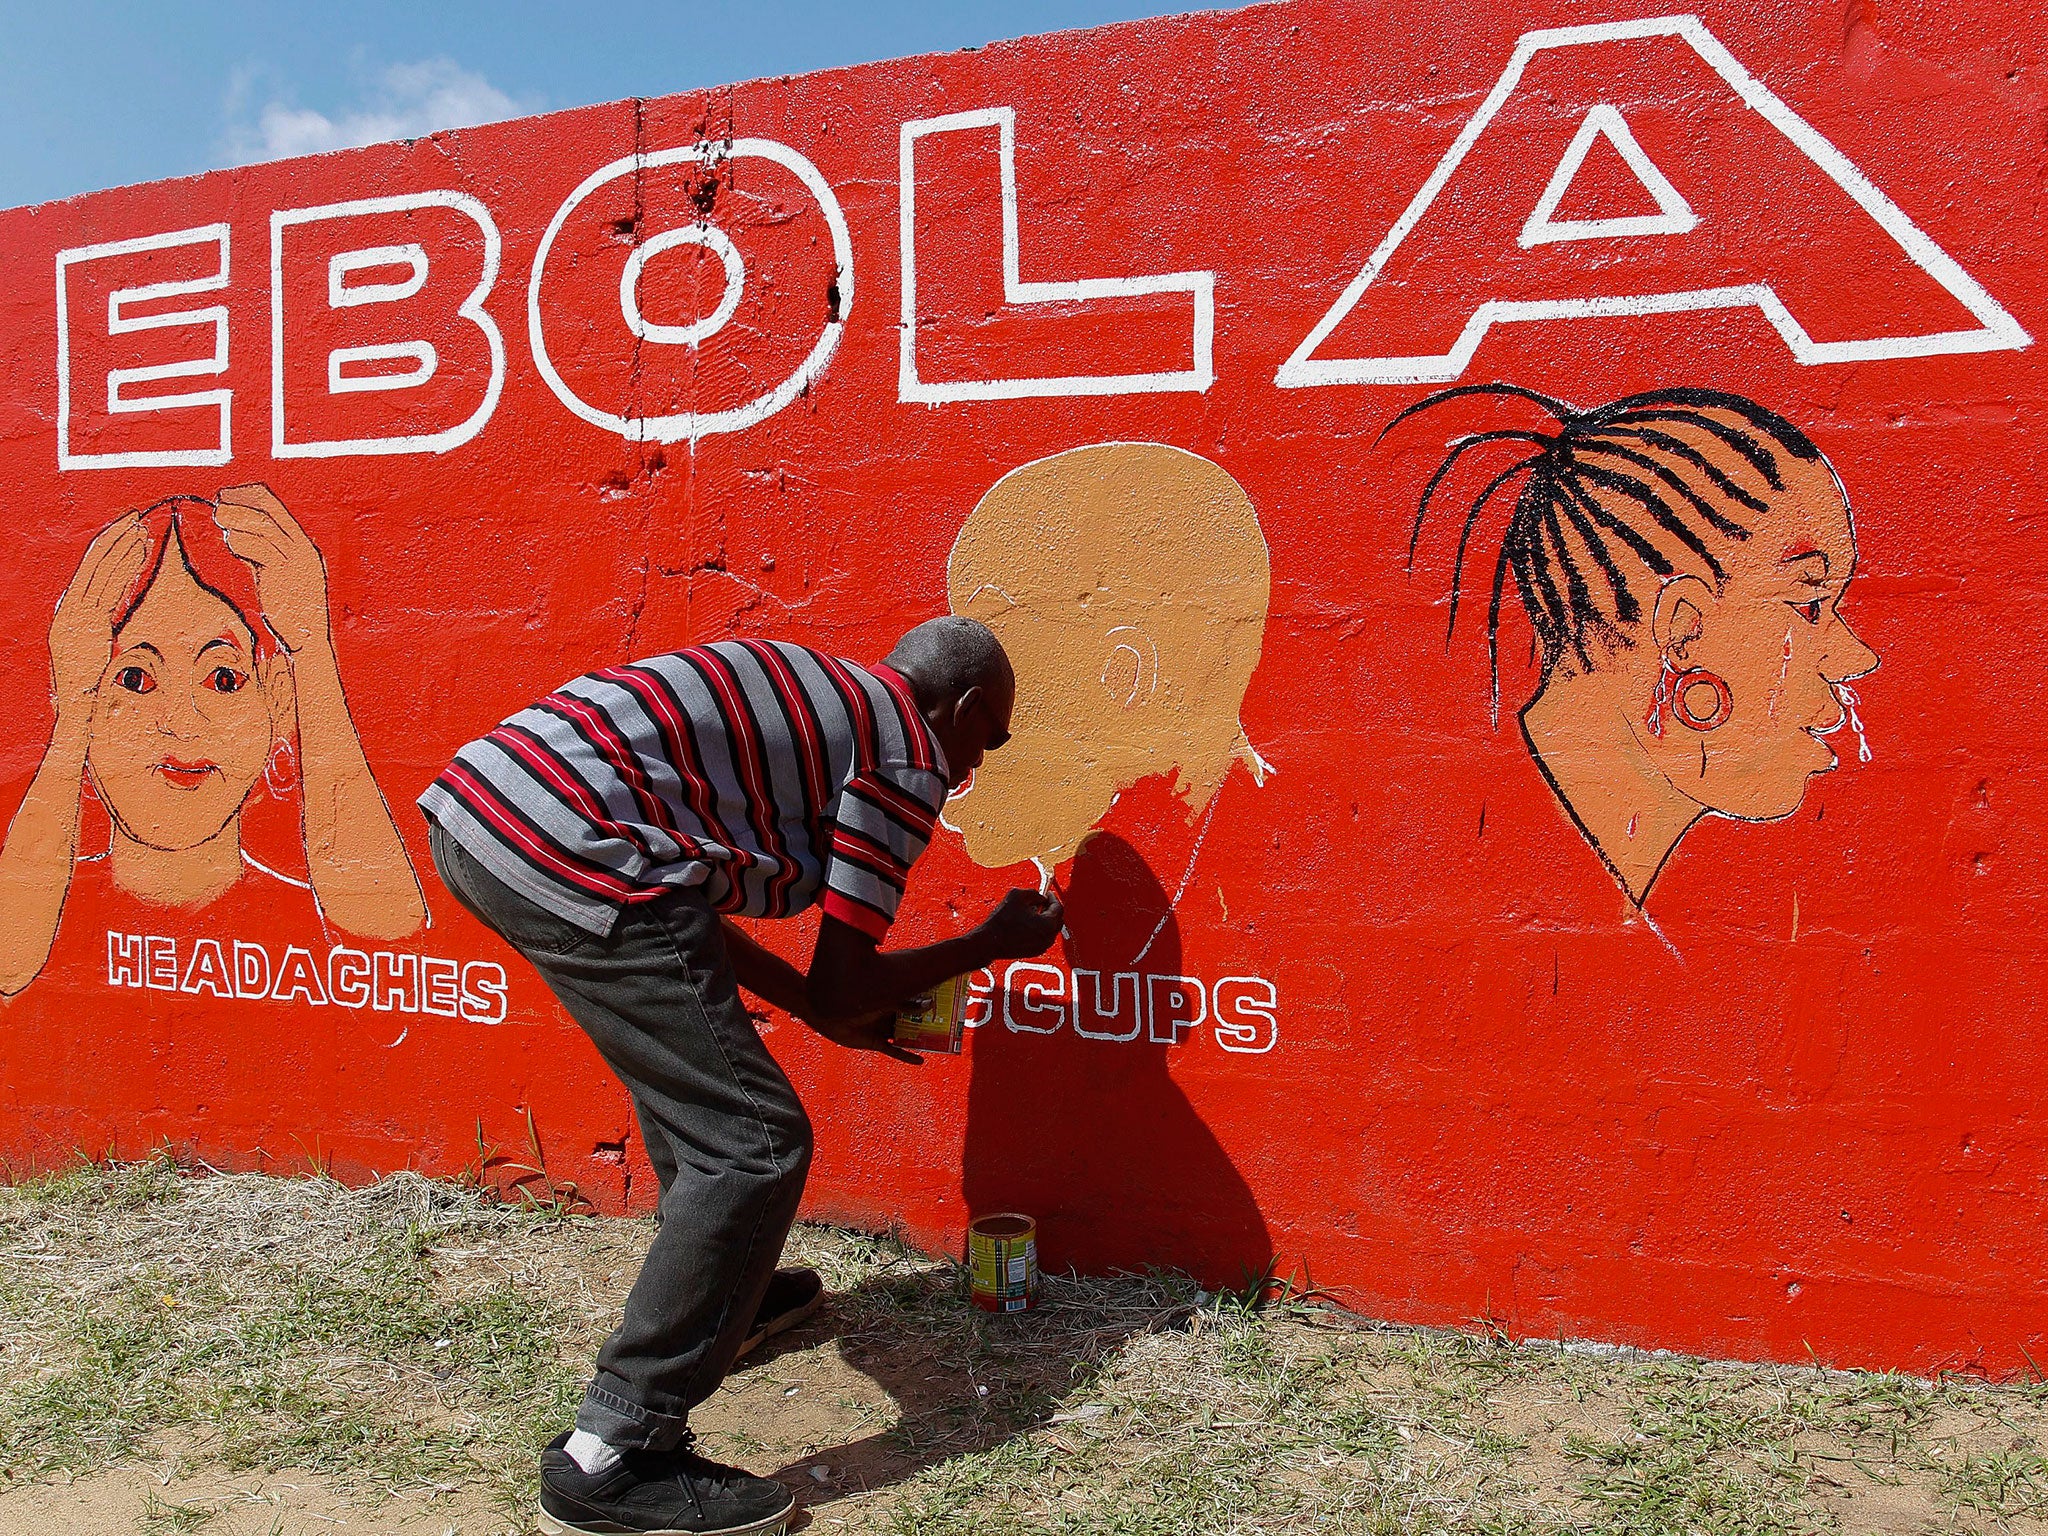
[
  {"x": 193, "y": 670},
  {"x": 1682, "y": 557}
]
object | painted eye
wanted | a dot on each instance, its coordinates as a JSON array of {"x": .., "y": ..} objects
[
  {"x": 135, "y": 680},
  {"x": 1809, "y": 611},
  {"x": 225, "y": 680}
]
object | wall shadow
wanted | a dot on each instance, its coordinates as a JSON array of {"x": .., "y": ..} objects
[
  {"x": 1092, "y": 1137},
  {"x": 921, "y": 1340}
]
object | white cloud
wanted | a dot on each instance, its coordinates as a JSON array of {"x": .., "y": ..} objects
[{"x": 405, "y": 101}]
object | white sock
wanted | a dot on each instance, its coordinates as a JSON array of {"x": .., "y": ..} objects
[{"x": 590, "y": 1453}]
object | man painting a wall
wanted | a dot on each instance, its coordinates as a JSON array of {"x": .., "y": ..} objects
[
  {"x": 1143, "y": 301},
  {"x": 609, "y": 832}
]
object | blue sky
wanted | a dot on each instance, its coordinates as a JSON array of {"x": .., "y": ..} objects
[{"x": 102, "y": 93}]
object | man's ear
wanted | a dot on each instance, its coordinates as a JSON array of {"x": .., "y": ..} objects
[
  {"x": 1680, "y": 616},
  {"x": 967, "y": 702},
  {"x": 1130, "y": 666}
]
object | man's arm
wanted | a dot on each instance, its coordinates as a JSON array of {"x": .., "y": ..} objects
[
  {"x": 764, "y": 973},
  {"x": 851, "y": 977},
  {"x": 774, "y": 980}
]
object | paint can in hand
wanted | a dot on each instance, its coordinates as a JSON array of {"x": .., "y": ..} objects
[
  {"x": 1002, "y": 1259},
  {"x": 932, "y": 1021}
]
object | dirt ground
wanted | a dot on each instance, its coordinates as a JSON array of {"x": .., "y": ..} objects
[
  {"x": 274, "y": 1357},
  {"x": 827, "y": 1427}
]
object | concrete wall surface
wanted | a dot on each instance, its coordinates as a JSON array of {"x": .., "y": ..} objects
[{"x": 1569, "y": 856}]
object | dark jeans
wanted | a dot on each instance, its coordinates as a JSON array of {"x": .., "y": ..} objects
[{"x": 724, "y": 1130}]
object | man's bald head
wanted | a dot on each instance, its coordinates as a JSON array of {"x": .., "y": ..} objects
[
  {"x": 942, "y": 659},
  {"x": 964, "y": 687}
]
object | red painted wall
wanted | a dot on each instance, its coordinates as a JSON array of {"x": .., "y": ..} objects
[{"x": 1789, "y": 1103}]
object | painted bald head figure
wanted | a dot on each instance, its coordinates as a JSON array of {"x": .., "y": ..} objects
[{"x": 1128, "y": 582}]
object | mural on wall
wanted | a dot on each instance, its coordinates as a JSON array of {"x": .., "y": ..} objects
[
  {"x": 1682, "y": 556},
  {"x": 192, "y": 668},
  {"x": 1129, "y": 584},
  {"x": 1133, "y": 309}
]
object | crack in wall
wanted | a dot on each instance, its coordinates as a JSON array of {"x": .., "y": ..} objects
[{"x": 635, "y": 386}]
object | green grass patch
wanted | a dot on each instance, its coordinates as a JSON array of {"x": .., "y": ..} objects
[
  {"x": 414, "y": 1338},
  {"x": 336, "y": 1345}
]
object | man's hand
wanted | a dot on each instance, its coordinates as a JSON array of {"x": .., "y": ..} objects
[
  {"x": 851, "y": 979},
  {"x": 1024, "y": 924},
  {"x": 864, "y": 1034}
]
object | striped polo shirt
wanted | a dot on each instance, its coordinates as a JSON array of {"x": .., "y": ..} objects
[{"x": 770, "y": 775}]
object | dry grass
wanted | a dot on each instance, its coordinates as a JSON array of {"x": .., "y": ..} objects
[
  {"x": 406, "y": 1349},
  {"x": 278, "y": 1322}
]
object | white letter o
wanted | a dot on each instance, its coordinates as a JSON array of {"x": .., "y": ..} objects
[{"x": 695, "y": 424}]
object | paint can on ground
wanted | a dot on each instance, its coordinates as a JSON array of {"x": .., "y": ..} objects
[
  {"x": 932, "y": 1021},
  {"x": 1002, "y": 1259}
]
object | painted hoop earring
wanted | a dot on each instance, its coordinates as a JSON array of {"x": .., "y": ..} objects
[
  {"x": 281, "y": 783},
  {"x": 1681, "y": 693}
]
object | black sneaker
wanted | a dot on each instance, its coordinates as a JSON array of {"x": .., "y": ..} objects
[
  {"x": 792, "y": 1296},
  {"x": 658, "y": 1493}
]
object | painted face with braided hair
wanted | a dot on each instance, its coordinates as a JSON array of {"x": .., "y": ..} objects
[{"x": 1682, "y": 556}]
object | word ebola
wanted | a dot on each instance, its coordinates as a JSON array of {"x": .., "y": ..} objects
[{"x": 388, "y": 316}]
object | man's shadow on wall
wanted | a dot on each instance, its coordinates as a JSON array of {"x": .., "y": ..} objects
[
  {"x": 1091, "y": 1136},
  {"x": 1093, "y": 1139}
]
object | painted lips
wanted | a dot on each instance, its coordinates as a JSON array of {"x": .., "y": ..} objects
[
  {"x": 1821, "y": 733},
  {"x": 184, "y": 775}
]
